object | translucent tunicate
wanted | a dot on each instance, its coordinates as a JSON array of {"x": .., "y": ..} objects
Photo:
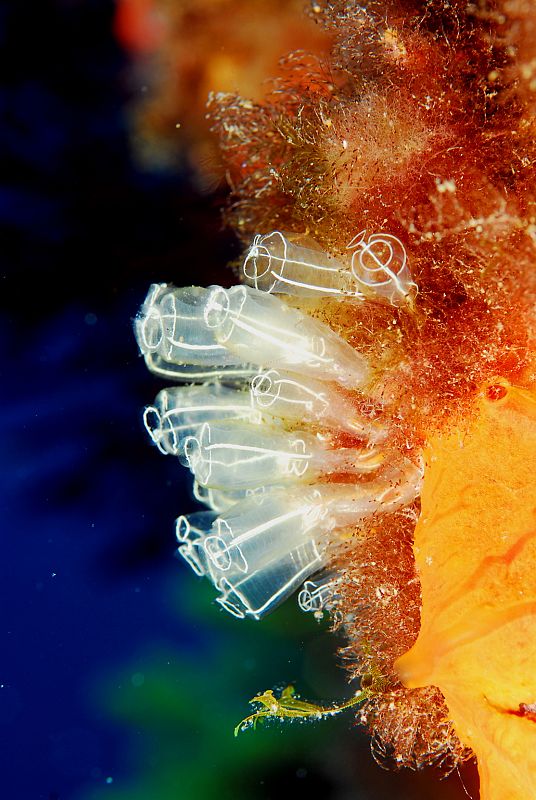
[
  {"x": 238, "y": 455},
  {"x": 221, "y": 332},
  {"x": 258, "y": 553},
  {"x": 216, "y": 499},
  {"x": 260, "y": 529},
  {"x": 191, "y": 531},
  {"x": 318, "y": 592},
  {"x": 171, "y": 324},
  {"x": 264, "y": 546},
  {"x": 260, "y": 328},
  {"x": 189, "y": 373},
  {"x": 181, "y": 411},
  {"x": 255, "y": 594},
  {"x": 380, "y": 267},
  {"x": 291, "y": 396},
  {"x": 276, "y": 263}
]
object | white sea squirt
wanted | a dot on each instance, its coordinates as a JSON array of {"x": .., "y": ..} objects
[
  {"x": 181, "y": 411},
  {"x": 380, "y": 267},
  {"x": 269, "y": 391},
  {"x": 262, "y": 329},
  {"x": 262, "y": 549},
  {"x": 175, "y": 342},
  {"x": 315, "y": 402},
  {"x": 294, "y": 265},
  {"x": 171, "y": 323},
  {"x": 241, "y": 456},
  {"x": 276, "y": 263},
  {"x": 320, "y": 593}
]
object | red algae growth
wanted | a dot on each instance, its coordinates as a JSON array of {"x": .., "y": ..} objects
[
  {"x": 188, "y": 48},
  {"x": 421, "y": 124}
]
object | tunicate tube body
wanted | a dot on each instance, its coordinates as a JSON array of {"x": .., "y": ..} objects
[{"x": 260, "y": 328}]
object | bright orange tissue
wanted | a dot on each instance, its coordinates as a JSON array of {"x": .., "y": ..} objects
[{"x": 475, "y": 550}]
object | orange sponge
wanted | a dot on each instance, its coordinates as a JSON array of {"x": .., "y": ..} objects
[{"x": 475, "y": 550}]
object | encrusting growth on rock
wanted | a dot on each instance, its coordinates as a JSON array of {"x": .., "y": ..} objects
[
  {"x": 420, "y": 124},
  {"x": 378, "y": 367}
]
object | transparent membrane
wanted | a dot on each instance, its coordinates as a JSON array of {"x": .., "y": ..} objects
[
  {"x": 276, "y": 262},
  {"x": 217, "y": 499},
  {"x": 171, "y": 324},
  {"x": 191, "y": 531},
  {"x": 233, "y": 375},
  {"x": 181, "y": 411},
  {"x": 237, "y": 455},
  {"x": 319, "y": 592},
  {"x": 261, "y": 528},
  {"x": 258, "y": 593},
  {"x": 379, "y": 265},
  {"x": 260, "y": 328},
  {"x": 295, "y": 397}
]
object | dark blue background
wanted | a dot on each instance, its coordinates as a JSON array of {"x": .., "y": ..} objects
[{"x": 119, "y": 679}]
